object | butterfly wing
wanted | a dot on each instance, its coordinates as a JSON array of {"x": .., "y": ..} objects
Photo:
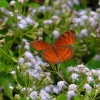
[
  {"x": 50, "y": 56},
  {"x": 64, "y": 53},
  {"x": 66, "y": 38},
  {"x": 40, "y": 45}
]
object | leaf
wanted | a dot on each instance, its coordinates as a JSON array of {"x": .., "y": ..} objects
[
  {"x": 61, "y": 96},
  {"x": 11, "y": 53},
  {"x": 5, "y": 81},
  {"x": 67, "y": 64},
  {"x": 35, "y": 5},
  {"x": 4, "y": 3},
  {"x": 2, "y": 67},
  {"x": 4, "y": 52},
  {"x": 93, "y": 64},
  {"x": 22, "y": 98}
]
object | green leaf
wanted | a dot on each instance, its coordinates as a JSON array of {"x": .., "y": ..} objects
[
  {"x": 61, "y": 96},
  {"x": 23, "y": 99},
  {"x": 2, "y": 67},
  {"x": 93, "y": 64},
  {"x": 5, "y": 81},
  {"x": 4, "y": 3},
  {"x": 67, "y": 64},
  {"x": 11, "y": 53},
  {"x": 34, "y": 5}
]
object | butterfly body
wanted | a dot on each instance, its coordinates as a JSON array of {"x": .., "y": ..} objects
[{"x": 59, "y": 51}]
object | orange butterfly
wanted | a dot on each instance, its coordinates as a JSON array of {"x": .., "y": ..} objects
[{"x": 59, "y": 51}]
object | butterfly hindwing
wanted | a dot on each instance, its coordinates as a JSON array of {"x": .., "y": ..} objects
[
  {"x": 40, "y": 45},
  {"x": 64, "y": 53},
  {"x": 50, "y": 56},
  {"x": 67, "y": 38}
]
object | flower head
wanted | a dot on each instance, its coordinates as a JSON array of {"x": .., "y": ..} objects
[
  {"x": 87, "y": 87},
  {"x": 61, "y": 85},
  {"x": 70, "y": 94},
  {"x": 72, "y": 87},
  {"x": 74, "y": 76}
]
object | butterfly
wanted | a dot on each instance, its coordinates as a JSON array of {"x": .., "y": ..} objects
[
  {"x": 39, "y": 1},
  {"x": 59, "y": 51}
]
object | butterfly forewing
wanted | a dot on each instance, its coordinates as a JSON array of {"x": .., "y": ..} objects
[
  {"x": 64, "y": 53},
  {"x": 50, "y": 56},
  {"x": 66, "y": 38},
  {"x": 40, "y": 45}
]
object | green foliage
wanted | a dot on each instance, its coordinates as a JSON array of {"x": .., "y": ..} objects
[
  {"x": 4, "y": 3},
  {"x": 6, "y": 81}
]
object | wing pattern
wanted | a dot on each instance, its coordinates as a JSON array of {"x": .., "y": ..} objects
[
  {"x": 40, "y": 45},
  {"x": 67, "y": 38}
]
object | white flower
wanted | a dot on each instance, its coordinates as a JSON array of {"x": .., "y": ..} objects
[
  {"x": 11, "y": 14},
  {"x": 47, "y": 22},
  {"x": 19, "y": 17},
  {"x": 94, "y": 72},
  {"x": 56, "y": 90},
  {"x": 77, "y": 2},
  {"x": 70, "y": 69},
  {"x": 55, "y": 17},
  {"x": 23, "y": 21},
  {"x": 4, "y": 10},
  {"x": 55, "y": 34},
  {"x": 74, "y": 76},
  {"x": 28, "y": 64},
  {"x": 48, "y": 88},
  {"x": 90, "y": 79},
  {"x": 47, "y": 73},
  {"x": 61, "y": 85},
  {"x": 22, "y": 26},
  {"x": 84, "y": 32},
  {"x": 93, "y": 13},
  {"x": 21, "y": 1},
  {"x": 21, "y": 61},
  {"x": 72, "y": 87},
  {"x": 97, "y": 57},
  {"x": 70, "y": 4},
  {"x": 34, "y": 95},
  {"x": 13, "y": 72},
  {"x": 29, "y": 20},
  {"x": 56, "y": 12},
  {"x": 92, "y": 21},
  {"x": 42, "y": 9},
  {"x": 26, "y": 47},
  {"x": 11, "y": 87},
  {"x": 36, "y": 24},
  {"x": 12, "y": 3},
  {"x": 28, "y": 55},
  {"x": 84, "y": 17},
  {"x": 82, "y": 12},
  {"x": 37, "y": 67},
  {"x": 80, "y": 67},
  {"x": 34, "y": 73},
  {"x": 44, "y": 95},
  {"x": 24, "y": 40},
  {"x": 87, "y": 87},
  {"x": 17, "y": 96},
  {"x": 70, "y": 94}
]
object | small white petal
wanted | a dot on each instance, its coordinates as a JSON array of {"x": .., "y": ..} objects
[{"x": 70, "y": 94}]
